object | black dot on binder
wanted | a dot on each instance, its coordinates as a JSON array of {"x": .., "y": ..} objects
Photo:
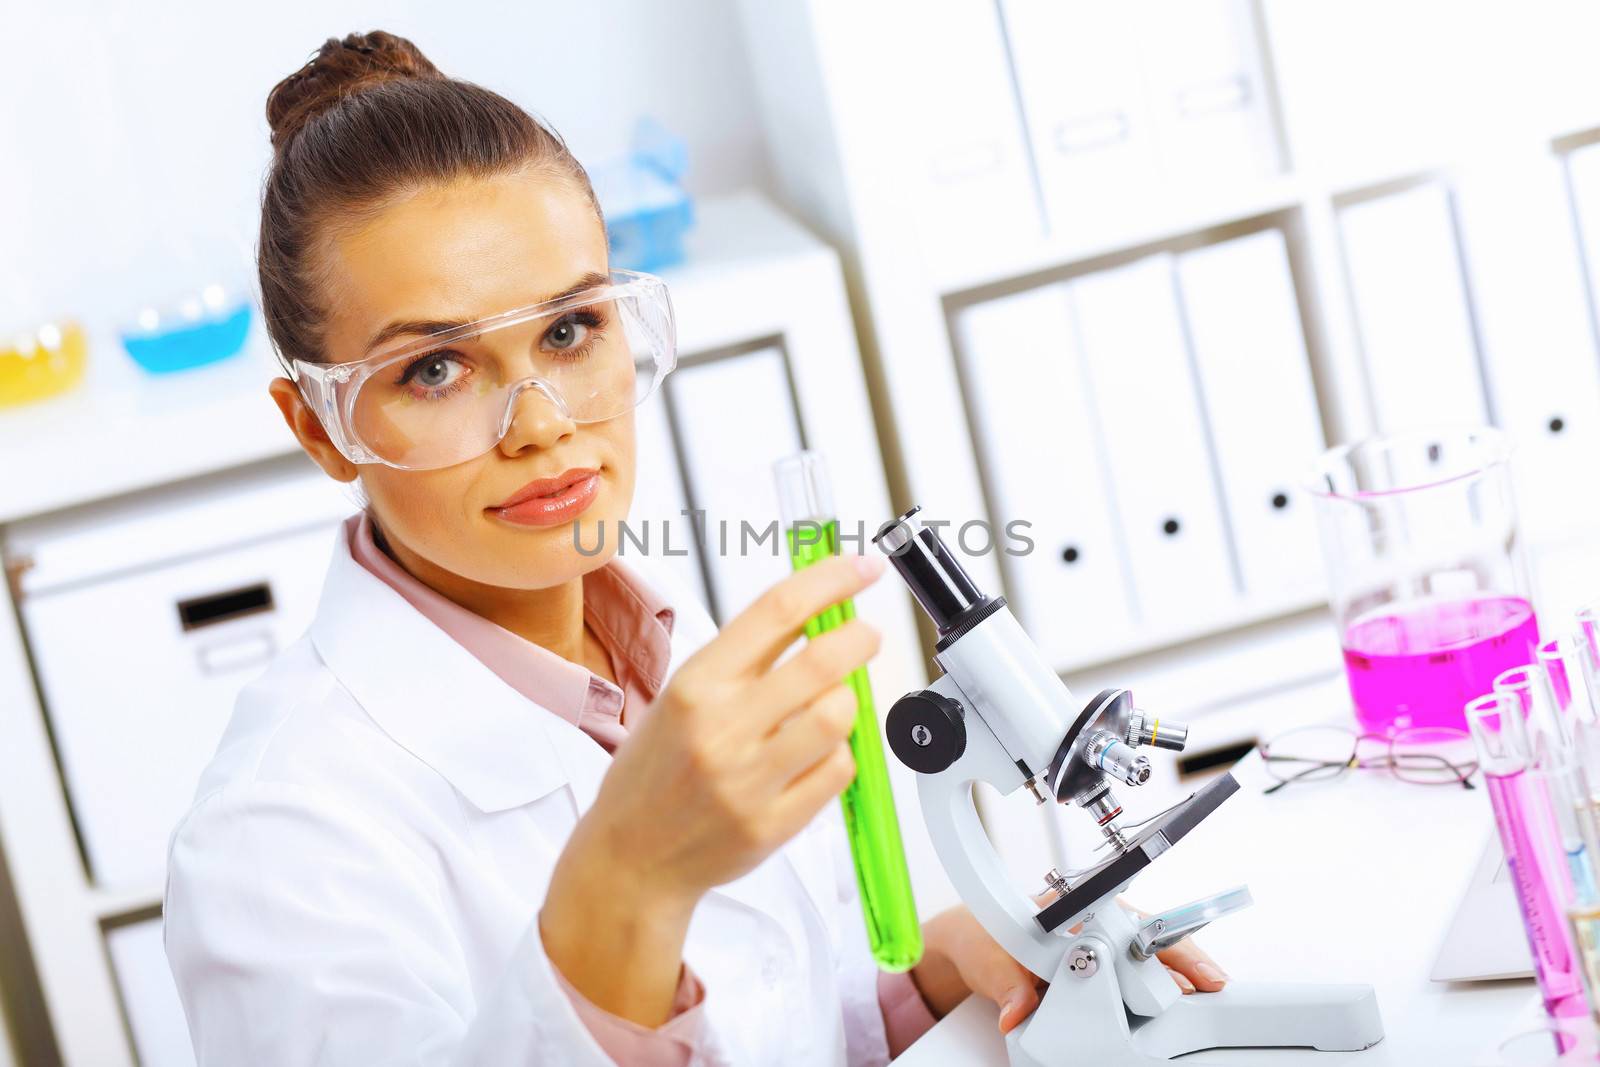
[
  {"x": 1070, "y": 554},
  {"x": 1558, "y": 424},
  {"x": 1170, "y": 527},
  {"x": 1280, "y": 500}
]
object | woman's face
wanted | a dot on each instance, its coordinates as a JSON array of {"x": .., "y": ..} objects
[{"x": 457, "y": 253}]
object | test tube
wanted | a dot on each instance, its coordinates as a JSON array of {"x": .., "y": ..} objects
[
  {"x": 1513, "y": 754},
  {"x": 811, "y": 530}
]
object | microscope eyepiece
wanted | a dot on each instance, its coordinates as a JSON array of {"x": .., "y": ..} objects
[{"x": 951, "y": 599}]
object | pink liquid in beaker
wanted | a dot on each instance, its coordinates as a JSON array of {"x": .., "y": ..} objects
[{"x": 1418, "y": 665}]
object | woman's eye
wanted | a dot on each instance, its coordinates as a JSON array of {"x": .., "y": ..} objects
[
  {"x": 432, "y": 372},
  {"x": 568, "y": 333}
]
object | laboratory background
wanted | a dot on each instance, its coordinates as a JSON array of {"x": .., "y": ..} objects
[{"x": 1275, "y": 322}]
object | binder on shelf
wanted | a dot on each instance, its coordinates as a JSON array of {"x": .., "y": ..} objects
[
  {"x": 1255, "y": 378},
  {"x": 1208, "y": 97},
  {"x": 1404, "y": 273},
  {"x": 735, "y": 418},
  {"x": 1161, "y": 467},
  {"x": 961, "y": 126},
  {"x": 1534, "y": 329},
  {"x": 1042, "y": 464},
  {"x": 1078, "y": 72}
]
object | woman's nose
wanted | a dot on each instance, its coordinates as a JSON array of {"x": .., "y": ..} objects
[{"x": 538, "y": 417}]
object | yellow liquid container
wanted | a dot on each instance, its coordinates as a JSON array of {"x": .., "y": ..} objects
[{"x": 42, "y": 363}]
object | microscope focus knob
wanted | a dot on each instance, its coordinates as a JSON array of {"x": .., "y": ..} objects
[{"x": 927, "y": 731}]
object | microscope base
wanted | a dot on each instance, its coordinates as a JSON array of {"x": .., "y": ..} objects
[{"x": 1083, "y": 1020}]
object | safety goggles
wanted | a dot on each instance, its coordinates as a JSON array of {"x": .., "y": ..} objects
[{"x": 452, "y": 395}]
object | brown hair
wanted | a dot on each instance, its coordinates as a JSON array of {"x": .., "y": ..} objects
[{"x": 365, "y": 119}]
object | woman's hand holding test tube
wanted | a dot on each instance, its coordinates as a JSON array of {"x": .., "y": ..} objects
[{"x": 735, "y": 757}]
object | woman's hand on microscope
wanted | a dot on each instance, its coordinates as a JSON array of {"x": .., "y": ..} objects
[
  {"x": 1189, "y": 966},
  {"x": 735, "y": 756},
  {"x": 959, "y": 958}
]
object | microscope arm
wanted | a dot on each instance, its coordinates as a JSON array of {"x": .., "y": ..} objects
[{"x": 975, "y": 869}]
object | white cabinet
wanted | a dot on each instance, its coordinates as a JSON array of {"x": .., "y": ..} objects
[
  {"x": 149, "y": 995},
  {"x": 144, "y": 622},
  {"x": 657, "y": 524},
  {"x": 736, "y": 417},
  {"x": 1249, "y": 348}
]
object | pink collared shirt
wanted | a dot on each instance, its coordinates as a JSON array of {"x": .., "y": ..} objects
[{"x": 634, "y": 625}]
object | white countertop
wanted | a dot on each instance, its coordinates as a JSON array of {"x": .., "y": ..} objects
[{"x": 1354, "y": 880}]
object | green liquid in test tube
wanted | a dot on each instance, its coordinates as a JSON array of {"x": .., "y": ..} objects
[{"x": 811, "y": 528}]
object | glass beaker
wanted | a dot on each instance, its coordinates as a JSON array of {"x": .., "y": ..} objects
[{"x": 1427, "y": 575}]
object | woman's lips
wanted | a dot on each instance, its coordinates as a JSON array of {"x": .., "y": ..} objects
[{"x": 550, "y": 501}]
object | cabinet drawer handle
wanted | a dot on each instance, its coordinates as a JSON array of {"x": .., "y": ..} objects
[
  {"x": 201, "y": 611},
  {"x": 225, "y": 657}
]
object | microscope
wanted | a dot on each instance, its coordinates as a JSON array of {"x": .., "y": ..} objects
[{"x": 1000, "y": 714}]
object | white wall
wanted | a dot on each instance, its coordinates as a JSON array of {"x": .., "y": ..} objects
[{"x": 133, "y": 137}]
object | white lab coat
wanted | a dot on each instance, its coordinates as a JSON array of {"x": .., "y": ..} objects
[{"x": 359, "y": 877}]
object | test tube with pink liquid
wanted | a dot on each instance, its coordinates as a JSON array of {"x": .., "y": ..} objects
[
  {"x": 1519, "y": 767},
  {"x": 1427, "y": 574}
]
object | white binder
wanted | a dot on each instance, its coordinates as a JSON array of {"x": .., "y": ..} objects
[
  {"x": 735, "y": 417},
  {"x": 656, "y": 519},
  {"x": 969, "y": 169},
  {"x": 1161, "y": 467},
  {"x": 1042, "y": 463},
  {"x": 1078, "y": 70},
  {"x": 1208, "y": 98},
  {"x": 1250, "y": 355},
  {"x": 1412, "y": 316},
  {"x": 1535, "y": 332}
]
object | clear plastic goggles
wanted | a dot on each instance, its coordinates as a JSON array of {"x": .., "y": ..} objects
[{"x": 451, "y": 396}]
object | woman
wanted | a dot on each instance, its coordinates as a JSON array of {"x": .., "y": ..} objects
[{"x": 506, "y": 801}]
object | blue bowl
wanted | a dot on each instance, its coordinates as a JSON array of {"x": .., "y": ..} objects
[{"x": 192, "y": 343}]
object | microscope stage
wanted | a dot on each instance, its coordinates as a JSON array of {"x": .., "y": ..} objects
[{"x": 1151, "y": 841}]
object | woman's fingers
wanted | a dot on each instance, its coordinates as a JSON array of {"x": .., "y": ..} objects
[
  {"x": 812, "y": 733},
  {"x": 825, "y": 779},
  {"x": 1187, "y": 960},
  {"x": 990, "y": 971},
  {"x": 824, "y": 663},
  {"x": 754, "y": 639}
]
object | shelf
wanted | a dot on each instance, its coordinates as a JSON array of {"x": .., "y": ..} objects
[
  {"x": 110, "y": 905},
  {"x": 125, "y": 430},
  {"x": 999, "y": 262},
  {"x": 1155, "y": 637}
]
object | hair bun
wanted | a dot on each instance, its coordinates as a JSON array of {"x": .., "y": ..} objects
[{"x": 339, "y": 69}]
